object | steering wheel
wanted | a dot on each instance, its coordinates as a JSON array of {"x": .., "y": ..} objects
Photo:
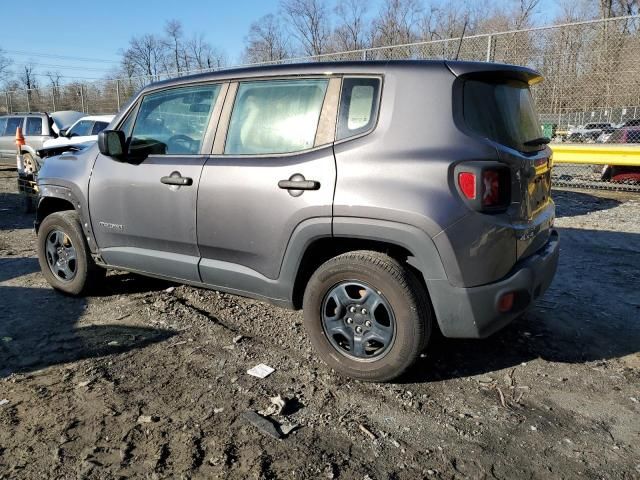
[{"x": 183, "y": 142}]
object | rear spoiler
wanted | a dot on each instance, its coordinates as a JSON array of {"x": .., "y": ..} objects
[{"x": 493, "y": 71}]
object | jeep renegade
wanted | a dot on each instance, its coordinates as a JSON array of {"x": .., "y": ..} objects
[{"x": 385, "y": 199}]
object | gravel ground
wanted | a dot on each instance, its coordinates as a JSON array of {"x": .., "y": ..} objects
[{"x": 145, "y": 380}]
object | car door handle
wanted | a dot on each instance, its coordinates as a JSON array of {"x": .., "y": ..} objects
[
  {"x": 177, "y": 180},
  {"x": 299, "y": 184}
]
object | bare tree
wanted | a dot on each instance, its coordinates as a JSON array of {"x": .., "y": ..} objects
[
  {"x": 352, "y": 30},
  {"x": 396, "y": 22},
  {"x": 174, "y": 32},
  {"x": 27, "y": 77},
  {"x": 310, "y": 24},
  {"x": 5, "y": 64},
  {"x": 54, "y": 79},
  {"x": 266, "y": 41},
  {"x": 147, "y": 53},
  {"x": 201, "y": 55}
]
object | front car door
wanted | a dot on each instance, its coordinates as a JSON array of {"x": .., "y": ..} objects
[
  {"x": 272, "y": 169},
  {"x": 142, "y": 219}
]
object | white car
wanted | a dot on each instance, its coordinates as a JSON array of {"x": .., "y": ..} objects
[
  {"x": 85, "y": 129},
  {"x": 587, "y": 133}
]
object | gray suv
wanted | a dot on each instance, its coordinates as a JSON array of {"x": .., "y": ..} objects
[{"x": 385, "y": 199}]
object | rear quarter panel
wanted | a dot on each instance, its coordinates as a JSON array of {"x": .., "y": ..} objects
[{"x": 401, "y": 172}]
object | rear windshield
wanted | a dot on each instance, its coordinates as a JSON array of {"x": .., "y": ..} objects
[{"x": 502, "y": 112}]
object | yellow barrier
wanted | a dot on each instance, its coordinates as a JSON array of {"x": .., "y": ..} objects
[{"x": 596, "y": 154}]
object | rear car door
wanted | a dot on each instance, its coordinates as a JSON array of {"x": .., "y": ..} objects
[
  {"x": 272, "y": 169},
  {"x": 34, "y": 130},
  {"x": 8, "y": 137},
  {"x": 142, "y": 218}
]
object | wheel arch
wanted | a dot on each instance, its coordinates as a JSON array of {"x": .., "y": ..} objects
[
  {"x": 28, "y": 149},
  {"x": 407, "y": 244},
  {"x": 49, "y": 205}
]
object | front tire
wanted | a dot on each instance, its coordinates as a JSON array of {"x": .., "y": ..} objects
[
  {"x": 64, "y": 257},
  {"x": 367, "y": 316},
  {"x": 30, "y": 164}
]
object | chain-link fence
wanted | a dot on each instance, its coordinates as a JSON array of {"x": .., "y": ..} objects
[{"x": 591, "y": 92}]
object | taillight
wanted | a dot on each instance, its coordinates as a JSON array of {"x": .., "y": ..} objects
[
  {"x": 485, "y": 186},
  {"x": 490, "y": 188},
  {"x": 467, "y": 184}
]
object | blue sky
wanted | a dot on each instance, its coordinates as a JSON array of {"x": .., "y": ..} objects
[{"x": 98, "y": 30}]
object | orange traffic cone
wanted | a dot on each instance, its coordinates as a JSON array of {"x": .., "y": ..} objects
[{"x": 19, "y": 138}]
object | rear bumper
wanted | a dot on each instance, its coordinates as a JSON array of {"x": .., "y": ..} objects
[{"x": 473, "y": 312}]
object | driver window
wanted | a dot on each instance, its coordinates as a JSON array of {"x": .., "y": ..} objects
[{"x": 173, "y": 122}]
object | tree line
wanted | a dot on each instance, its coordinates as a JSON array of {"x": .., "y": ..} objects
[
  {"x": 576, "y": 62},
  {"x": 299, "y": 28}
]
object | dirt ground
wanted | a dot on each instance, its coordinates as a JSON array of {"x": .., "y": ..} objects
[{"x": 140, "y": 381}]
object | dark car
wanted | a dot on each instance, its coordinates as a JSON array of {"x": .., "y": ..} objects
[
  {"x": 380, "y": 197},
  {"x": 623, "y": 173}
]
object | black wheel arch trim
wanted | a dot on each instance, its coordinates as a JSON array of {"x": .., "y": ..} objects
[
  {"x": 49, "y": 192},
  {"x": 426, "y": 258}
]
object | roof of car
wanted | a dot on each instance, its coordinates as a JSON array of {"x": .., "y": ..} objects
[
  {"x": 21, "y": 114},
  {"x": 98, "y": 118},
  {"x": 361, "y": 67}
]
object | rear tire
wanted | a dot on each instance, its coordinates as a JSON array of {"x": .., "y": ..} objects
[
  {"x": 342, "y": 288},
  {"x": 63, "y": 254}
]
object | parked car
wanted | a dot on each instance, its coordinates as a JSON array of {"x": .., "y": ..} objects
[
  {"x": 587, "y": 133},
  {"x": 634, "y": 122},
  {"x": 379, "y": 197},
  {"x": 606, "y": 132},
  {"x": 85, "y": 129},
  {"x": 623, "y": 173},
  {"x": 36, "y": 128}
]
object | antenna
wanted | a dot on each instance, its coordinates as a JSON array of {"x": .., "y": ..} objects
[{"x": 464, "y": 29}]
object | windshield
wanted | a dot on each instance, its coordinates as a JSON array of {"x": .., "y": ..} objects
[
  {"x": 81, "y": 129},
  {"x": 503, "y": 112}
]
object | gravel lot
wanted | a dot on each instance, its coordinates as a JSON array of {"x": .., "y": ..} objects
[{"x": 145, "y": 380}]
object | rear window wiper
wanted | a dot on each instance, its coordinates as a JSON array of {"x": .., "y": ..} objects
[{"x": 537, "y": 141}]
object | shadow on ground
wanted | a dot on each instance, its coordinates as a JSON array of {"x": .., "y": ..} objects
[
  {"x": 38, "y": 326},
  {"x": 12, "y": 216},
  {"x": 124, "y": 283},
  {"x": 591, "y": 312},
  {"x": 572, "y": 204}
]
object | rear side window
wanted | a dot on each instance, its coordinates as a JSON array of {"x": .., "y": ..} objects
[
  {"x": 98, "y": 127},
  {"x": 358, "y": 106},
  {"x": 12, "y": 124},
  {"x": 3, "y": 125},
  {"x": 33, "y": 126},
  {"x": 503, "y": 112},
  {"x": 279, "y": 116}
]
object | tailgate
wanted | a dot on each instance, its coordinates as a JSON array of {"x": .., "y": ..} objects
[{"x": 534, "y": 216}]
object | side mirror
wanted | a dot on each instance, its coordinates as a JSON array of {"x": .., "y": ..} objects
[
  {"x": 112, "y": 144},
  {"x": 63, "y": 132}
]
